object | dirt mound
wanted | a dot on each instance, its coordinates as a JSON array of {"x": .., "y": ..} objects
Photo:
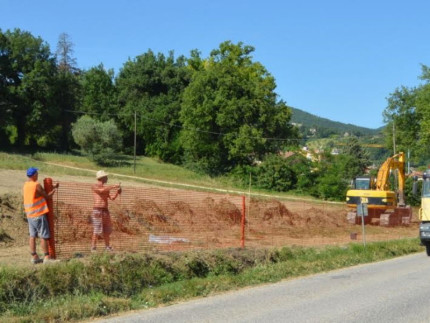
[
  {"x": 180, "y": 211},
  {"x": 272, "y": 211},
  {"x": 318, "y": 217},
  {"x": 147, "y": 211},
  {"x": 73, "y": 223},
  {"x": 225, "y": 210},
  {"x": 13, "y": 223},
  {"x": 10, "y": 204},
  {"x": 122, "y": 222}
]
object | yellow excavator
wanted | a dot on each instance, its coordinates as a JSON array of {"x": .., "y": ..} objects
[{"x": 385, "y": 206}]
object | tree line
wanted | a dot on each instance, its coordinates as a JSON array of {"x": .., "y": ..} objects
[
  {"x": 218, "y": 115},
  {"x": 407, "y": 116}
]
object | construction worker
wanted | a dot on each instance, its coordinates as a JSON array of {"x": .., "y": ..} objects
[
  {"x": 100, "y": 218},
  {"x": 36, "y": 209}
]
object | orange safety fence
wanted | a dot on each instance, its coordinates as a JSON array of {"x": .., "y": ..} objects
[
  {"x": 47, "y": 183},
  {"x": 149, "y": 218}
]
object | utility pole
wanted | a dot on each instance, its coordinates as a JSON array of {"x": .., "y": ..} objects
[
  {"x": 409, "y": 165},
  {"x": 135, "y": 129},
  {"x": 394, "y": 138}
]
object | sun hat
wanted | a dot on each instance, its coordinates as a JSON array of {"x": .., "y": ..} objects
[
  {"x": 101, "y": 174},
  {"x": 31, "y": 171}
]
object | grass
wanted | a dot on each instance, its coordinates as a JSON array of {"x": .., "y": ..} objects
[
  {"x": 107, "y": 284},
  {"x": 148, "y": 168}
]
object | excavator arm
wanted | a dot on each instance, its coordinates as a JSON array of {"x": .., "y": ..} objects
[{"x": 392, "y": 163}]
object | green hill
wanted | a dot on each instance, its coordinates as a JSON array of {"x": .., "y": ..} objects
[{"x": 313, "y": 126}]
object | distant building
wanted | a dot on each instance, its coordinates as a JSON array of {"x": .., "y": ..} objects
[{"x": 335, "y": 151}]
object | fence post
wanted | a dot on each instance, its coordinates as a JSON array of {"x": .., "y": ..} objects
[
  {"x": 47, "y": 184},
  {"x": 242, "y": 240}
]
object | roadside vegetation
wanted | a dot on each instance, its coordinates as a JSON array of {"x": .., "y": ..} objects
[{"x": 106, "y": 284}]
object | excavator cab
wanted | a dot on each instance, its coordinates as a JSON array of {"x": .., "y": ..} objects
[{"x": 362, "y": 183}]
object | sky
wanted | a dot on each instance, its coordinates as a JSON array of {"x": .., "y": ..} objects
[{"x": 336, "y": 59}]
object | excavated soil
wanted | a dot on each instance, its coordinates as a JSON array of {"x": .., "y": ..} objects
[{"x": 150, "y": 218}]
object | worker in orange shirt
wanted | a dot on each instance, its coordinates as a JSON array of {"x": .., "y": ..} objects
[{"x": 36, "y": 209}]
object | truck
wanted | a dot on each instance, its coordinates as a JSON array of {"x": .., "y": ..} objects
[
  {"x": 386, "y": 206},
  {"x": 424, "y": 212}
]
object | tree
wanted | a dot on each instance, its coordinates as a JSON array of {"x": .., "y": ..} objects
[
  {"x": 151, "y": 86},
  {"x": 27, "y": 79},
  {"x": 67, "y": 92},
  {"x": 65, "y": 59},
  {"x": 98, "y": 93},
  {"x": 332, "y": 181},
  {"x": 100, "y": 140},
  {"x": 403, "y": 113},
  {"x": 275, "y": 174},
  {"x": 229, "y": 112},
  {"x": 359, "y": 158},
  {"x": 5, "y": 99},
  {"x": 422, "y": 113},
  {"x": 284, "y": 174}
]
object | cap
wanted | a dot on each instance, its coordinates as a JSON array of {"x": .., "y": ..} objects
[
  {"x": 100, "y": 174},
  {"x": 31, "y": 171}
]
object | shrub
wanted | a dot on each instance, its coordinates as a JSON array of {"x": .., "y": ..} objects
[
  {"x": 276, "y": 174},
  {"x": 98, "y": 139}
]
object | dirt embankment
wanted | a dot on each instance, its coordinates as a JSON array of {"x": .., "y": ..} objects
[{"x": 268, "y": 222}]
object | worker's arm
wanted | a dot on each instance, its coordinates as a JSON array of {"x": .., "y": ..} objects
[
  {"x": 41, "y": 192},
  {"x": 104, "y": 189},
  {"x": 118, "y": 192}
]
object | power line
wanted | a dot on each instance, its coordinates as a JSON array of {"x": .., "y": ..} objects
[
  {"x": 182, "y": 127},
  {"x": 195, "y": 129}
]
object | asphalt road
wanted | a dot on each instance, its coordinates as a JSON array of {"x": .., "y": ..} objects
[{"x": 396, "y": 290}]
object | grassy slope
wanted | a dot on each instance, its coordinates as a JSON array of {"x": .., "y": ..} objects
[{"x": 146, "y": 168}]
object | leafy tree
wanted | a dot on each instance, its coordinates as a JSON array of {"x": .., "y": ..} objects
[
  {"x": 5, "y": 99},
  {"x": 276, "y": 174},
  {"x": 332, "y": 181},
  {"x": 27, "y": 77},
  {"x": 98, "y": 139},
  {"x": 284, "y": 174},
  {"x": 359, "y": 158},
  {"x": 98, "y": 93},
  {"x": 229, "y": 110},
  {"x": 422, "y": 121},
  {"x": 152, "y": 85},
  {"x": 66, "y": 95},
  {"x": 402, "y": 111},
  {"x": 411, "y": 198},
  {"x": 305, "y": 173}
]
